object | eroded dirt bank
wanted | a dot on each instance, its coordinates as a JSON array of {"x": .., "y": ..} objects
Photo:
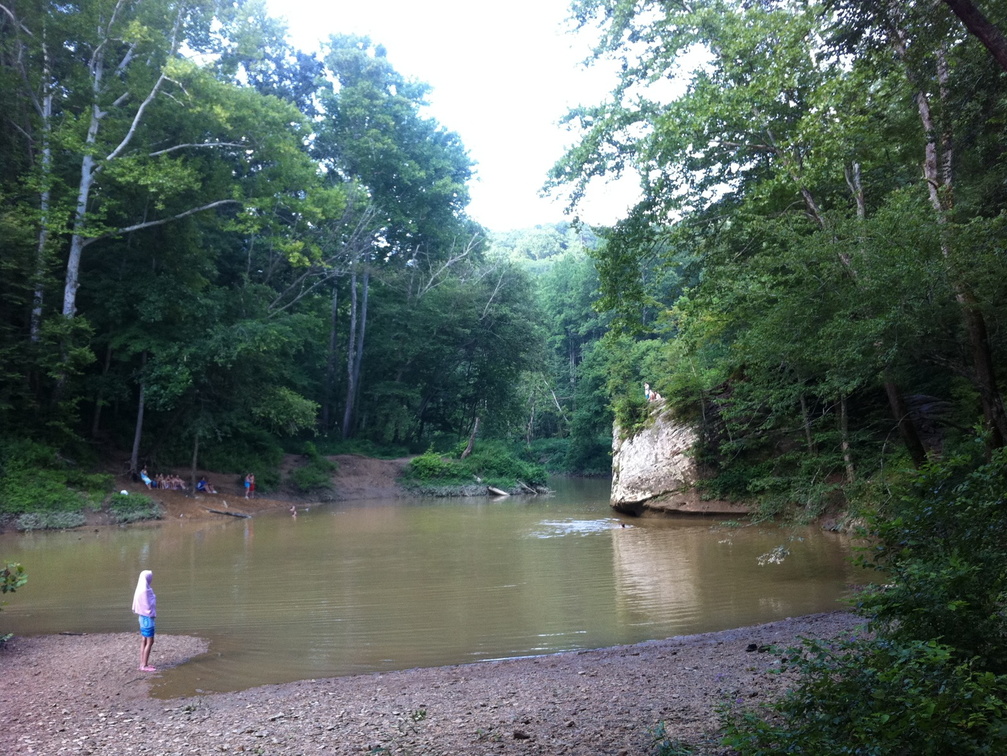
[
  {"x": 84, "y": 695},
  {"x": 356, "y": 478}
]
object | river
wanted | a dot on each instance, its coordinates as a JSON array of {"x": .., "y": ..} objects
[{"x": 368, "y": 586}]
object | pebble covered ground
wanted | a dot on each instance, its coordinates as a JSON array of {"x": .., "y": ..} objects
[{"x": 83, "y": 694}]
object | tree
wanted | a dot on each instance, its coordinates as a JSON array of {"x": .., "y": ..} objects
[
  {"x": 985, "y": 31},
  {"x": 775, "y": 180},
  {"x": 414, "y": 172}
]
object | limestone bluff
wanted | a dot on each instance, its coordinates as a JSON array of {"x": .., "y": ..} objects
[{"x": 654, "y": 471}]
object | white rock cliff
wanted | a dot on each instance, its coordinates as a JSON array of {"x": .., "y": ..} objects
[{"x": 654, "y": 471}]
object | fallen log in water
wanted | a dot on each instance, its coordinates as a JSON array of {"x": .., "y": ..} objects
[
  {"x": 229, "y": 514},
  {"x": 496, "y": 491}
]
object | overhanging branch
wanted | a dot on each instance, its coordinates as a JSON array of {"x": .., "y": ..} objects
[{"x": 160, "y": 222}]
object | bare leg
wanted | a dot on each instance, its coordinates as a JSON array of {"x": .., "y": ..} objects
[{"x": 146, "y": 644}]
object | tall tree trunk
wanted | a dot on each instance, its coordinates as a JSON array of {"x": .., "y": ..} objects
[
  {"x": 907, "y": 428},
  {"x": 330, "y": 362},
  {"x": 806, "y": 422},
  {"x": 938, "y": 172},
  {"x": 987, "y": 33},
  {"x": 472, "y": 439},
  {"x": 99, "y": 398},
  {"x": 138, "y": 430},
  {"x": 355, "y": 352},
  {"x": 89, "y": 169},
  {"x": 359, "y": 360},
  {"x": 844, "y": 439},
  {"x": 41, "y": 254}
]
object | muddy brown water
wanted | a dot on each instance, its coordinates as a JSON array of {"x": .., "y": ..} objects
[{"x": 396, "y": 584}]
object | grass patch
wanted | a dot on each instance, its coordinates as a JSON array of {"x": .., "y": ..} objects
[
  {"x": 133, "y": 508},
  {"x": 48, "y": 521}
]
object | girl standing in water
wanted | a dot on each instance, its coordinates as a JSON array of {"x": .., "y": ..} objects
[{"x": 145, "y": 605}]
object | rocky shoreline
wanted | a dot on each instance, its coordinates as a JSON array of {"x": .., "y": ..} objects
[{"x": 83, "y": 694}]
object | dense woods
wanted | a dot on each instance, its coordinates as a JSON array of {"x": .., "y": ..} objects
[
  {"x": 216, "y": 246},
  {"x": 814, "y": 276},
  {"x": 816, "y": 263}
]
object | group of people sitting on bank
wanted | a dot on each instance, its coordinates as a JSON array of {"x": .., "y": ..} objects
[{"x": 171, "y": 482}]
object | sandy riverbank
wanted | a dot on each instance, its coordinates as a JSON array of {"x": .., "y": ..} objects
[{"x": 84, "y": 695}]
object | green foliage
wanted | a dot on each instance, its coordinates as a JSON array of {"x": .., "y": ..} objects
[
  {"x": 316, "y": 475},
  {"x": 256, "y": 452},
  {"x": 941, "y": 544},
  {"x": 49, "y": 520},
  {"x": 133, "y": 508},
  {"x": 878, "y": 697},
  {"x": 933, "y": 677},
  {"x": 666, "y": 745},
  {"x": 491, "y": 462},
  {"x": 33, "y": 478},
  {"x": 496, "y": 463},
  {"x": 12, "y": 577},
  {"x": 550, "y": 453},
  {"x": 431, "y": 467}
]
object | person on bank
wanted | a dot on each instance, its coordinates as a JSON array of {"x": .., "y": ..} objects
[
  {"x": 145, "y": 607},
  {"x": 205, "y": 486}
]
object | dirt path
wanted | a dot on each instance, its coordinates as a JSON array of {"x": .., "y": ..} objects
[{"x": 84, "y": 695}]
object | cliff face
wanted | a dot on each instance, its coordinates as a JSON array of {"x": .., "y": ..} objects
[{"x": 654, "y": 472}]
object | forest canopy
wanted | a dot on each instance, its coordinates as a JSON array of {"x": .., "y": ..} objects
[
  {"x": 817, "y": 258},
  {"x": 216, "y": 245}
]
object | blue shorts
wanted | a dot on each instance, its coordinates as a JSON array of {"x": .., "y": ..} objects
[{"x": 146, "y": 626}]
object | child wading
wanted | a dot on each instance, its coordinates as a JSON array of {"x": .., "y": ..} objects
[{"x": 145, "y": 605}]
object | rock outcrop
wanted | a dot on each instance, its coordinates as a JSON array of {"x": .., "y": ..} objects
[{"x": 654, "y": 471}]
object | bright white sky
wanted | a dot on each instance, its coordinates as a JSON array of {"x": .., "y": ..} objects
[{"x": 502, "y": 74}]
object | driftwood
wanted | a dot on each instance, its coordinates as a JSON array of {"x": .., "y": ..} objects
[
  {"x": 229, "y": 514},
  {"x": 527, "y": 489},
  {"x": 496, "y": 491}
]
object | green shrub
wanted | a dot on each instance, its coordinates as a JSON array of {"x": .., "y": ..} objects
[
  {"x": 550, "y": 453},
  {"x": 24, "y": 491},
  {"x": 433, "y": 468},
  {"x": 943, "y": 548},
  {"x": 133, "y": 508},
  {"x": 33, "y": 478},
  {"x": 496, "y": 464},
  {"x": 12, "y": 577},
  {"x": 632, "y": 414},
  {"x": 933, "y": 680},
  {"x": 316, "y": 474},
  {"x": 878, "y": 697},
  {"x": 492, "y": 463},
  {"x": 665, "y": 744}
]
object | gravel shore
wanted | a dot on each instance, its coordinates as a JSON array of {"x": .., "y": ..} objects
[{"x": 84, "y": 695}]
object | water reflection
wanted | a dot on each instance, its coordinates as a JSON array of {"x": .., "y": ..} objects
[
  {"x": 698, "y": 576},
  {"x": 372, "y": 586}
]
